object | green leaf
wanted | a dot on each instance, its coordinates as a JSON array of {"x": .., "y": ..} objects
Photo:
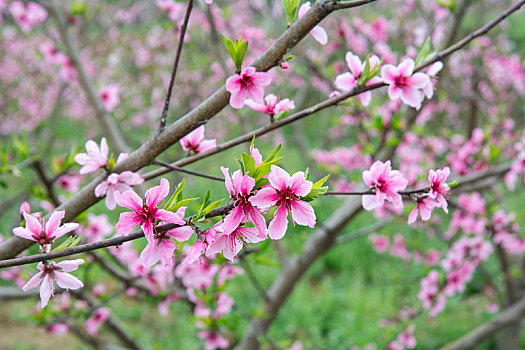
[
  {"x": 174, "y": 197},
  {"x": 453, "y": 184},
  {"x": 364, "y": 76},
  {"x": 68, "y": 243},
  {"x": 424, "y": 52},
  {"x": 290, "y": 9},
  {"x": 182, "y": 203},
  {"x": 249, "y": 164},
  {"x": 230, "y": 47},
  {"x": 204, "y": 204},
  {"x": 307, "y": 174},
  {"x": 321, "y": 182},
  {"x": 242, "y": 48},
  {"x": 212, "y": 206}
]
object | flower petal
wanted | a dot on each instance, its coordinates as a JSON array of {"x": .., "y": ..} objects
[
  {"x": 67, "y": 281},
  {"x": 279, "y": 224}
]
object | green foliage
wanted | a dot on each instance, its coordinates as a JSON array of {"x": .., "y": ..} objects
[
  {"x": 424, "y": 52},
  {"x": 291, "y": 8},
  {"x": 237, "y": 50}
]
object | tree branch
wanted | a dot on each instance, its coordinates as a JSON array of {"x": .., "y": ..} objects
[{"x": 182, "y": 33}]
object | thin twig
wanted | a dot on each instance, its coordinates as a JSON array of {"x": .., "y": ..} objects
[
  {"x": 186, "y": 171},
  {"x": 182, "y": 33}
]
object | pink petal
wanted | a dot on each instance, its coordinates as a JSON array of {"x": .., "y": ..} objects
[
  {"x": 247, "y": 184},
  {"x": 101, "y": 189},
  {"x": 412, "y": 217},
  {"x": 195, "y": 252},
  {"x": 232, "y": 248},
  {"x": 206, "y": 145},
  {"x": 389, "y": 73},
  {"x": 151, "y": 254},
  {"x": 67, "y": 281},
  {"x": 168, "y": 249},
  {"x": 411, "y": 97},
  {"x": 354, "y": 64},
  {"x": 233, "y": 220},
  {"x": 217, "y": 246},
  {"x": 419, "y": 80},
  {"x": 46, "y": 290},
  {"x": 394, "y": 92},
  {"x": 299, "y": 185},
  {"x": 228, "y": 181},
  {"x": 303, "y": 9},
  {"x": 345, "y": 81},
  {"x": 66, "y": 228},
  {"x": 369, "y": 202},
  {"x": 129, "y": 199},
  {"x": 181, "y": 234},
  {"x": 279, "y": 224},
  {"x": 23, "y": 233},
  {"x": 302, "y": 213},
  {"x": 237, "y": 100},
  {"x": 258, "y": 220},
  {"x": 70, "y": 265},
  {"x": 262, "y": 79},
  {"x": 104, "y": 147},
  {"x": 169, "y": 217},
  {"x": 279, "y": 179},
  {"x": 32, "y": 224},
  {"x": 406, "y": 68},
  {"x": 265, "y": 198},
  {"x": 127, "y": 222},
  {"x": 250, "y": 234},
  {"x": 319, "y": 35},
  {"x": 155, "y": 194},
  {"x": 33, "y": 282},
  {"x": 233, "y": 84}
]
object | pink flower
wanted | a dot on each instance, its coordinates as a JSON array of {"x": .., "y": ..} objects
[
  {"x": 407, "y": 338},
  {"x": 98, "y": 227},
  {"x": 99, "y": 316},
  {"x": 240, "y": 187},
  {"x": 44, "y": 235},
  {"x": 175, "y": 9},
  {"x": 402, "y": 83},
  {"x": 201, "y": 245},
  {"x": 379, "y": 242},
  {"x": 432, "y": 71},
  {"x": 424, "y": 206},
  {"x": 54, "y": 272},
  {"x": 57, "y": 328},
  {"x": 145, "y": 213},
  {"x": 272, "y": 105},
  {"x": 70, "y": 183},
  {"x": 109, "y": 96},
  {"x": 213, "y": 340},
  {"x": 385, "y": 183},
  {"x": 348, "y": 80},
  {"x": 95, "y": 158},
  {"x": 230, "y": 244},
  {"x": 117, "y": 183},
  {"x": 26, "y": 208},
  {"x": 195, "y": 142},
  {"x": 317, "y": 32},
  {"x": 247, "y": 85},
  {"x": 438, "y": 188},
  {"x": 163, "y": 247},
  {"x": 284, "y": 191},
  {"x": 27, "y": 16}
]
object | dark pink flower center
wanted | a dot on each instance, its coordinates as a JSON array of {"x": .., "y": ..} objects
[
  {"x": 246, "y": 81},
  {"x": 401, "y": 81},
  {"x": 287, "y": 196},
  {"x": 42, "y": 239},
  {"x": 147, "y": 214}
]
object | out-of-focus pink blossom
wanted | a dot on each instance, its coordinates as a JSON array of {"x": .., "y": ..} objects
[
  {"x": 195, "y": 142},
  {"x": 98, "y": 317},
  {"x": 109, "y": 96},
  {"x": 117, "y": 183},
  {"x": 317, "y": 32},
  {"x": 347, "y": 81},
  {"x": 98, "y": 227},
  {"x": 249, "y": 84},
  {"x": 95, "y": 158},
  {"x": 27, "y": 15},
  {"x": 213, "y": 340},
  {"x": 380, "y": 243},
  {"x": 70, "y": 183}
]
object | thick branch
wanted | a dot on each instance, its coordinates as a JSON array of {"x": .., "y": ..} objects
[{"x": 479, "y": 334}]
